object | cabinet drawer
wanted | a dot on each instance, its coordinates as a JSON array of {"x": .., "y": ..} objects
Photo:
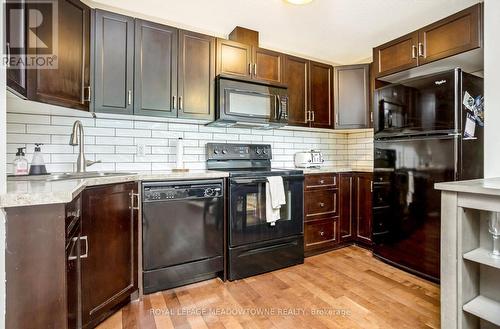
[
  {"x": 320, "y": 203},
  {"x": 320, "y": 181},
  {"x": 381, "y": 177},
  {"x": 319, "y": 232}
]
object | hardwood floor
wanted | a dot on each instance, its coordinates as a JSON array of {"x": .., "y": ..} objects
[{"x": 346, "y": 288}]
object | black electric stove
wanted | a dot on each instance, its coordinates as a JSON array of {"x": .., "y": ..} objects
[{"x": 254, "y": 245}]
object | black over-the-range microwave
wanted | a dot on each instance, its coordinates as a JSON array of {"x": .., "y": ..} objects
[{"x": 250, "y": 104}]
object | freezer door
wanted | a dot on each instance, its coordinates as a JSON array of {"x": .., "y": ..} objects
[{"x": 406, "y": 207}]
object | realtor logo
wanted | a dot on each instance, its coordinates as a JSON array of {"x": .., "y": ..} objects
[{"x": 31, "y": 34}]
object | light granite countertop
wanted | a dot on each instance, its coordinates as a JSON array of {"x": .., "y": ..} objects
[
  {"x": 31, "y": 193},
  {"x": 326, "y": 170},
  {"x": 488, "y": 186}
]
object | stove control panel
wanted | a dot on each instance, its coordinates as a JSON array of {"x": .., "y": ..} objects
[{"x": 223, "y": 151}]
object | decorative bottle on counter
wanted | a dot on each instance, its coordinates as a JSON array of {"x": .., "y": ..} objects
[
  {"x": 38, "y": 165},
  {"x": 20, "y": 162}
]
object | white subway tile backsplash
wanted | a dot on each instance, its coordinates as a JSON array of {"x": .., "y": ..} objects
[{"x": 114, "y": 140}]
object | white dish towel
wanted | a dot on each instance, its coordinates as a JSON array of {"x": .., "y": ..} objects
[{"x": 275, "y": 198}]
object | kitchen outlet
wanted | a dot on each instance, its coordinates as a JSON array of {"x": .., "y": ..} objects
[{"x": 141, "y": 150}]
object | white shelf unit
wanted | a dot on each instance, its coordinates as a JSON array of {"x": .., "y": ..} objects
[
  {"x": 478, "y": 272},
  {"x": 484, "y": 308}
]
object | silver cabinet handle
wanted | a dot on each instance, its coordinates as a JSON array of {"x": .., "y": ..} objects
[
  {"x": 89, "y": 91},
  {"x": 86, "y": 254},
  {"x": 180, "y": 103},
  {"x": 313, "y": 116},
  {"x": 70, "y": 257},
  {"x": 250, "y": 68},
  {"x": 321, "y": 204},
  {"x": 129, "y": 97},
  {"x": 255, "y": 69},
  {"x": 420, "y": 49},
  {"x": 174, "y": 103},
  {"x": 308, "y": 116},
  {"x": 321, "y": 233},
  {"x": 413, "y": 51},
  {"x": 132, "y": 195}
]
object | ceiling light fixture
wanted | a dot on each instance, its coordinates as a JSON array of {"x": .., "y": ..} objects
[{"x": 299, "y": 2}]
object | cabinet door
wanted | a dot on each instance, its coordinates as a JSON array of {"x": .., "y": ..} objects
[
  {"x": 268, "y": 65},
  {"x": 363, "y": 209},
  {"x": 155, "y": 80},
  {"x": 68, "y": 84},
  {"x": 234, "y": 58},
  {"x": 196, "y": 75},
  {"x": 351, "y": 96},
  {"x": 109, "y": 259},
  {"x": 453, "y": 35},
  {"x": 15, "y": 46},
  {"x": 320, "y": 90},
  {"x": 295, "y": 75},
  {"x": 397, "y": 55},
  {"x": 346, "y": 197},
  {"x": 114, "y": 63}
]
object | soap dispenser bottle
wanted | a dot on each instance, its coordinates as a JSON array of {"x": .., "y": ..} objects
[
  {"x": 20, "y": 162},
  {"x": 38, "y": 165}
]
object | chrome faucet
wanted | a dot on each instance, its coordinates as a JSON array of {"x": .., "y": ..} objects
[{"x": 81, "y": 163}]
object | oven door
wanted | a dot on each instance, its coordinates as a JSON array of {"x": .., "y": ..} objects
[{"x": 247, "y": 213}]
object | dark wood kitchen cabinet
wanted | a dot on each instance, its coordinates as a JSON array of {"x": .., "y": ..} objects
[
  {"x": 234, "y": 58},
  {"x": 113, "y": 63},
  {"x": 296, "y": 77},
  {"x": 455, "y": 34},
  {"x": 450, "y": 36},
  {"x": 247, "y": 61},
  {"x": 110, "y": 244},
  {"x": 320, "y": 212},
  {"x": 352, "y": 89},
  {"x": 64, "y": 79},
  {"x": 268, "y": 65},
  {"x": 15, "y": 46},
  {"x": 396, "y": 55},
  {"x": 355, "y": 222},
  {"x": 196, "y": 83},
  {"x": 363, "y": 184},
  {"x": 155, "y": 79},
  {"x": 321, "y": 93}
]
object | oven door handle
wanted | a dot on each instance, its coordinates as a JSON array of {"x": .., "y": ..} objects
[{"x": 262, "y": 180}]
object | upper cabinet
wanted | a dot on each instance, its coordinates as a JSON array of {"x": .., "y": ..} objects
[
  {"x": 296, "y": 77},
  {"x": 196, "y": 72},
  {"x": 155, "y": 69},
  {"x": 64, "y": 78},
  {"x": 113, "y": 63},
  {"x": 321, "y": 92},
  {"x": 396, "y": 55},
  {"x": 352, "y": 88},
  {"x": 268, "y": 65},
  {"x": 234, "y": 58},
  {"x": 146, "y": 68},
  {"x": 451, "y": 36}
]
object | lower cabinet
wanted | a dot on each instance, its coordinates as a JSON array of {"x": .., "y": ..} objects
[
  {"x": 355, "y": 220},
  {"x": 109, "y": 250},
  {"x": 337, "y": 211},
  {"x": 321, "y": 209}
]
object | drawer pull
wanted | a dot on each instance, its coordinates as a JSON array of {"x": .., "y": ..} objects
[
  {"x": 322, "y": 181},
  {"x": 321, "y": 204},
  {"x": 322, "y": 233}
]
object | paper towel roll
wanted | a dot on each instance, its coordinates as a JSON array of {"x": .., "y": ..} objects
[{"x": 180, "y": 154}]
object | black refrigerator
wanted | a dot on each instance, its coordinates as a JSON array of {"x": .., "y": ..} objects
[{"x": 427, "y": 130}]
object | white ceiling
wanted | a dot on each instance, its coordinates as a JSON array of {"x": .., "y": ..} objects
[{"x": 337, "y": 31}]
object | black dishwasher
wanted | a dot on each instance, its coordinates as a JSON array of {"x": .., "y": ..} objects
[{"x": 182, "y": 233}]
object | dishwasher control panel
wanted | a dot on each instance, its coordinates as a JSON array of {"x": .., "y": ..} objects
[{"x": 178, "y": 192}]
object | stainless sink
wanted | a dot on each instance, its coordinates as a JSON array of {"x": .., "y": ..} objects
[{"x": 67, "y": 176}]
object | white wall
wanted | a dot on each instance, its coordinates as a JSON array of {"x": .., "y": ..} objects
[
  {"x": 2, "y": 175},
  {"x": 491, "y": 88}
]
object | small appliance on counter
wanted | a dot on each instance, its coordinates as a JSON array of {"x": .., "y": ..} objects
[
  {"x": 309, "y": 159},
  {"x": 38, "y": 164}
]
